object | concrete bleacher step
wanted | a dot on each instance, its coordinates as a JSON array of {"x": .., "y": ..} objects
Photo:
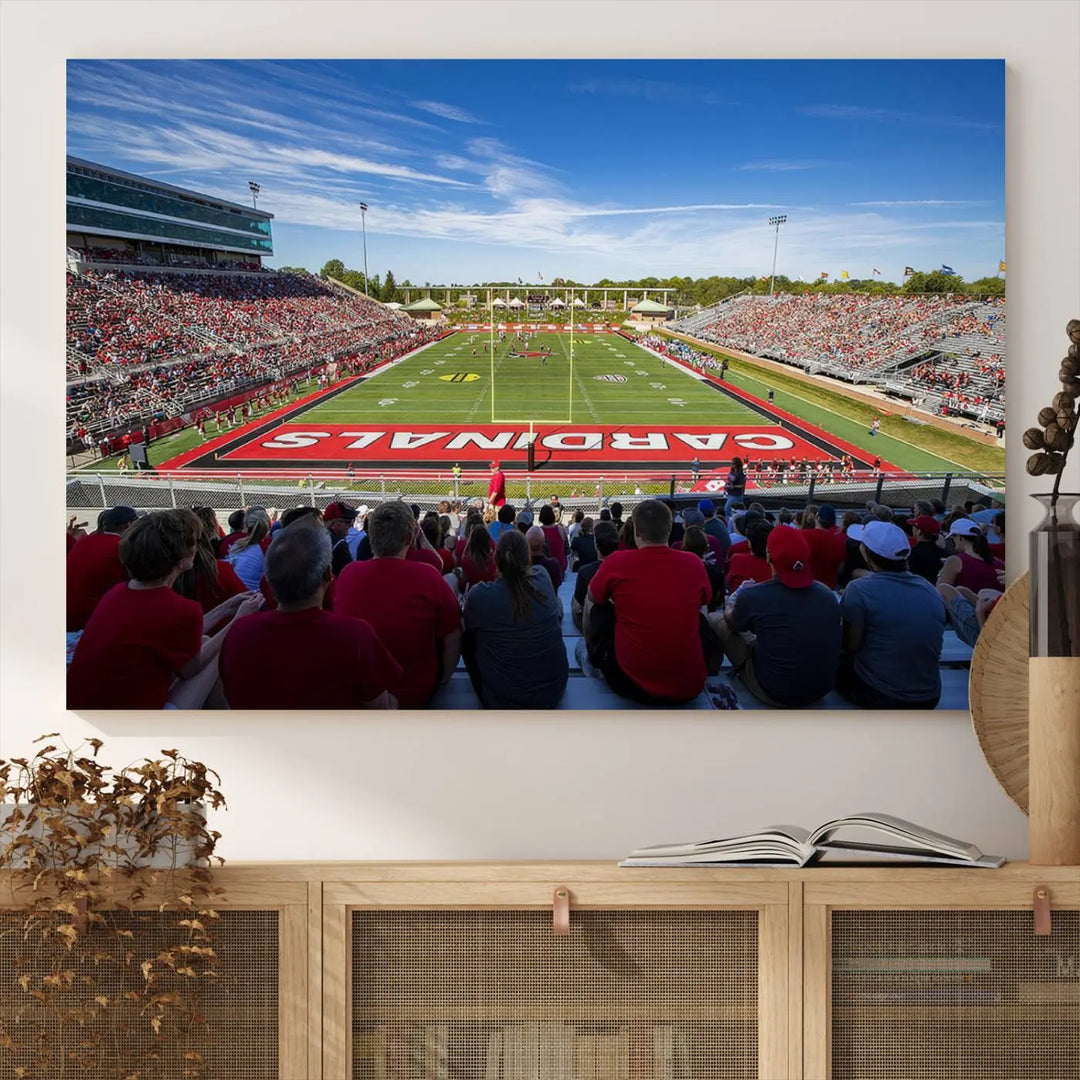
[
  {"x": 954, "y": 693},
  {"x": 582, "y": 692}
]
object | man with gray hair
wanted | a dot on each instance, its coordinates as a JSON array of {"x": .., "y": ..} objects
[
  {"x": 411, "y": 608},
  {"x": 300, "y": 656}
]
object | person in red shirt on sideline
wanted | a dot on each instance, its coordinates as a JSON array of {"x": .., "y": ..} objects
[
  {"x": 497, "y": 486},
  {"x": 318, "y": 659},
  {"x": 643, "y": 614},
  {"x": 412, "y": 610},
  {"x": 144, "y": 646},
  {"x": 828, "y": 547},
  {"x": 94, "y": 566}
]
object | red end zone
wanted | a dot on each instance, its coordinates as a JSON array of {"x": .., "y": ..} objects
[{"x": 362, "y": 444}]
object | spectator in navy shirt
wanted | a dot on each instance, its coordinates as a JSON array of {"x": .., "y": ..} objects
[{"x": 894, "y": 622}]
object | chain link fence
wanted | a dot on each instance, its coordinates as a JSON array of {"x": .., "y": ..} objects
[{"x": 95, "y": 491}]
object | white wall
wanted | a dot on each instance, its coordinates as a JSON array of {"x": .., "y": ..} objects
[{"x": 569, "y": 785}]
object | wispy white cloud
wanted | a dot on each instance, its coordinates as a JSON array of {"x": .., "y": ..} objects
[
  {"x": 447, "y": 112},
  {"x": 863, "y": 112}
]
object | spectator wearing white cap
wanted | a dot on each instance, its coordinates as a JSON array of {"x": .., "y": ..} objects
[
  {"x": 894, "y": 622},
  {"x": 973, "y": 566}
]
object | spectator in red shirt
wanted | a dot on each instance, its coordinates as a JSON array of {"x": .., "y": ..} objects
[
  {"x": 973, "y": 566},
  {"x": 411, "y": 608},
  {"x": 828, "y": 547},
  {"x": 94, "y": 566},
  {"x": 537, "y": 542},
  {"x": 643, "y": 614},
  {"x": 557, "y": 542},
  {"x": 236, "y": 532},
  {"x": 300, "y": 656},
  {"x": 752, "y": 564},
  {"x": 433, "y": 535},
  {"x": 497, "y": 486},
  {"x": 478, "y": 554},
  {"x": 143, "y": 647}
]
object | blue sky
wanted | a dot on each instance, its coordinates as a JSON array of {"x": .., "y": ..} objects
[{"x": 479, "y": 170}]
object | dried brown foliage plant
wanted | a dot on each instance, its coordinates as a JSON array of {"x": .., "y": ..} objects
[{"x": 107, "y": 915}]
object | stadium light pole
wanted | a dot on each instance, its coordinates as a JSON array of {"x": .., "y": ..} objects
[
  {"x": 254, "y": 189},
  {"x": 777, "y": 222},
  {"x": 363, "y": 230}
]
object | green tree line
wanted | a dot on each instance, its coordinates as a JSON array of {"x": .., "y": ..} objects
[{"x": 689, "y": 291}]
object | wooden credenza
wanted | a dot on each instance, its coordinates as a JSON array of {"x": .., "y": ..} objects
[{"x": 424, "y": 971}]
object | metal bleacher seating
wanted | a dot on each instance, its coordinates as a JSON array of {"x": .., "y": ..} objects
[{"x": 586, "y": 692}]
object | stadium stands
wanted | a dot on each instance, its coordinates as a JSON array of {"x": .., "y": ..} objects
[
  {"x": 945, "y": 354},
  {"x": 155, "y": 344},
  {"x": 848, "y": 335}
]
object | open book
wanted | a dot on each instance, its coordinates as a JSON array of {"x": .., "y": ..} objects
[{"x": 860, "y": 838}]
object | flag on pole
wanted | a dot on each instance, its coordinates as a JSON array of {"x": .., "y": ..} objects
[
  {"x": 947, "y": 269},
  {"x": 520, "y": 282},
  {"x": 824, "y": 275},
  {"x": 908, "y": 271},
  {"x": 798, "y": 277},
  {"x": 1001, "y": 267},
  {"x": 844, "y": 275},
  {"x": 764, "y": 277},
  {"x": 539, "y": 275},
  {"x": 877, "y": 271}
]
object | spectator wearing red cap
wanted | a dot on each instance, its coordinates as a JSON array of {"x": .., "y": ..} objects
[
  {"x": 927, "y": 555},
  {"x": 143, "y": 647},
  {"x": 973, "y": 566},
  {"x": 338, "y": 518},
  {"x": 497, "y": 486},
  {"x": 894, "y": 622},
  {"x": 413, "y": 611},
  {"x": 642, "y": 614},
  {"x": 783, "y": 635},
  {"x": 94, "y": 567},
  {"x": 318, "y": 659}
]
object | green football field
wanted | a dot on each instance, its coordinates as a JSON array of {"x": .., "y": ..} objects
[{"x": 610, "y": 381}]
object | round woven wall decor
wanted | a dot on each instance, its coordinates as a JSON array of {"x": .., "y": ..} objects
[{"x": 998, "y": 692}]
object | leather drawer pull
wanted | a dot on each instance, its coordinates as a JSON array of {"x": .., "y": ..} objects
[
  {"x": 1041, "y": 910},
  {"x": 560, "y": 911}
]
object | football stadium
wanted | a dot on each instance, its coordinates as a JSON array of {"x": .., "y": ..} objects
[{"x": 209, "y": 393}]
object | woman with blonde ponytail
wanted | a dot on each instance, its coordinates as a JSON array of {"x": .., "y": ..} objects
[{"x": 513, "y": 646}]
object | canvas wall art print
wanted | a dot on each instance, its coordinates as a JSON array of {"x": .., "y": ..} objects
[{"x": 542, "y": 384}]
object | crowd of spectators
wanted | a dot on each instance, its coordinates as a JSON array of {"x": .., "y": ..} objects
[
  {"x": 853, "y": 331},
  {"x": 357, "y": 607},
  {"x": 144, "y": 345}
]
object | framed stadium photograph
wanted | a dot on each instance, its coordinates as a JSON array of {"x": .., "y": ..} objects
[{"x": 533, "y": 384}]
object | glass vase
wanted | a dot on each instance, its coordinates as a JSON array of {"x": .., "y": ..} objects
[{"x": 1055, "y": 578}]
